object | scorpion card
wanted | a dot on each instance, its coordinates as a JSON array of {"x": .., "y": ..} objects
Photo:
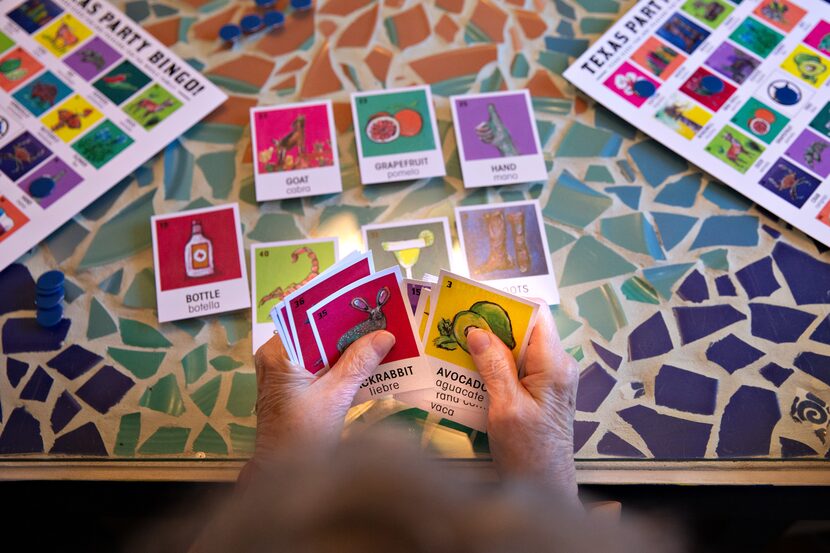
[
  {"x": 279, "y": 268},
  {"x": 506, "y": 246},
  {"x": 373, "y": 303},
  {"x": 419, "y": 247},
  {"x": 498, "y": 142},
  {"x": 295, "y": 151}
]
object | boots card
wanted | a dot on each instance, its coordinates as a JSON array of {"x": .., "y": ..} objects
[
  {"x": 200, "y": 266},
  {"x": 373, "y": 303},
  {"x": 423, "y": 246},
  {"x": 280, "y": 319},
  {"x": 505, "y": 245},
  {"x": 498, "y": 142},
  {"x": 396, "y": 135},
  {"x": 279, "y": 268},
  {"x": 295, "y": 151}
]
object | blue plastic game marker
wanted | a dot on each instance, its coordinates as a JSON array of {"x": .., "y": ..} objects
[
  {"x": 711, "y": 84},
  {"x": 230, "y": 33},
  {"x": 251, "y": 23},
  {"x": 265, "y": 4},
  {"x": 50, "y": 281},
  {"x": 786, "y": 95},
  {"x": 301, "y": 5},
  {"x": 49, "y": 317},
  {"x": 274, "y": 20},
  {"x": 42, "y": 187},
  {"x": 47, "y": 301},
  {"x": 644, "y": 88}
]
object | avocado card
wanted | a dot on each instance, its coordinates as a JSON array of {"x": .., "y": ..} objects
[
  {"x": 396, "y": 135},
  {"x": 413, "y": 290},
  {"x": 295, "y": 151},
  {"x": 498, "y": 142},
  {"x": 279, "y": 268},
  {"x": 369, "y": 304},
  {"x": 505, "y": 245},
  {"x": 419, "y": 247},
  {"x": 280, "y": 320}
]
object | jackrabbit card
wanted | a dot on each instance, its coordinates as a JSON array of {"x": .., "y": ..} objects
[
  {"x": 506, "y": 246},
  {"x": 295, "y": 151},
  {"x": 373, "y": 303},
  {"x": 420, "y": 246},
  {"x": 498, "y": 142}
]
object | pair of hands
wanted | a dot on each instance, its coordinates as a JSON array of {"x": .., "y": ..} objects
[{"x": 530, "y": 420}]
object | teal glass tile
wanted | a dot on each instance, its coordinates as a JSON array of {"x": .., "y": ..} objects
[
  {"x": 163, "y": 11},
  {"x": 142, "y": 364},
  {"x": 570, "y": 46},
  {"x": 64, "y": 242},
  {"x": 137, "y": 11},
  {"x": 136, "y": 333},
  {"x": 598, "y": 173},
  {"x": 219, "y": 169},
  {"x": 242, "y": 438},
  {"x": 564, "y": 29},
  {"x": 205, "y": 395},
  {"x": 508, "y": 195},
  {"x": 602, "y": 309},
  {"x": 71, "y": 291},
  {"x": 167, "y": 440},
  {"x": 519, "y": 68},
  {"x": 565, "y": 9},
  {"x": 163, "y": 396},
  {"x": 632, "y": 232},
  {"x": 680, "y": 193},
  {"x": 293, "y": 206},
  {"x": 555, "y": 62},
  {"x": 125, "y": 234},
  {"x": 656, "y": 162},
  {"x": 565, "y": 325},
  {"x": 194, "y": 364},
  {"x": 233, "y": 85},
  {"x": 198, "y": 203},
  {"x": 629, "y": 195},
  {"x": 433, "y": 192},
  {"x": 236, "y": 325},
  {"x": 639, "y": 290},
  {"x": 129, "y": 430},
  {"x": 477, "y": 197},
  {"x": 725, "y": 197},
  {"x": 275, "y": 226},
  {"x": 112, "y": 284},
  {"x": 552, "y": 106},
  {"x": 454, "y": 86},
  {"x": 216, "y": 133},
  {"x": 191, "y": 326},
  {"x": 492, "y": 83},
  {"x": 105, "y": 201},
  {"x": 142, "y": 290},
  {"x": 209, "y": 441},
  {"x": 546, "y": 130},
  {"x": 599, "y": 6},
  {"x": 584, "y": 141},
  {"x": 576, "y": 352},
  {"x": 574, "y": 203},
  {"x": 626, "y": 169},
  {"x": 672, "y": 227},
  {"x": 242, "y": 396},
  {"x": 557, "y": 238},
  {"x": 716, "y": 259},
  {"x": 664, "y": 277},
  {"x": 594, "y": 25},
  {"x": 727, "y": 230},
  {"x": 605, "y": 119},
  {"x": 178, "y": 171},
  {"x": 224, "y": 363},
  {"x": 590, "y": 260},
  {"x": 100, "y": 322}
]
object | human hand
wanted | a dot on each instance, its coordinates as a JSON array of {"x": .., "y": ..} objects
[{"x": 530, "y": 420}]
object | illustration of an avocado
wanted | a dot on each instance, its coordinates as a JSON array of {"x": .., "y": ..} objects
[
  {"x": 810, "y": 66},
  {"x": 485, "y": 315}
]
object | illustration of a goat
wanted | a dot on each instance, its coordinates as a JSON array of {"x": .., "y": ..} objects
[{"x": 376, "y": 321}]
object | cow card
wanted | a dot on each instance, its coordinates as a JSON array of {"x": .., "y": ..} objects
[
  {"x": 413, "y": 290},
  {"x": 506, "y": 246},
  {"x": 498, "y": 142},
  {"x": 370, "y": 304},
  {"x": 475, "y": 419},
  {"x": 423, "y": 246},
  {"x": 396, "y": 135},
  {"x": 200, "y": 267},
  {"x": 295, "y": 151},
  {"x": 279, "y": 268}
]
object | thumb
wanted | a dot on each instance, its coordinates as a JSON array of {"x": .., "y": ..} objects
[
  {"x": 359, "y": 361},
  {"x": 496, "y": 365}
]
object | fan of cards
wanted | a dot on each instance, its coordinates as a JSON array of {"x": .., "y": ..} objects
[{"x": 429, "y": 366}]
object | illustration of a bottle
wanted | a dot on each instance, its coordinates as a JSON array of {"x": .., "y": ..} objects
[{"x": 198, "y": 253}]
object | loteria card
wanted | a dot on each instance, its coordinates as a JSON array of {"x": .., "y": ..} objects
[
  {"x": 413, "y": 290},
  {"x": 295, "y": 151},
  {"x": 423, "y": 399},
  {"x": 370, "y": 304},
  {"x": 200, "y": 267},
  {"x": 505, "y": 245},
  {"x": 498, "y": 142},
  {"x": 351, "y": 269},
  {"x": 279, "y": 268},
  {"x": 280, "y": 320},
  {"x": 419, "y": 247},
  {"x": 396, "y": 135}
]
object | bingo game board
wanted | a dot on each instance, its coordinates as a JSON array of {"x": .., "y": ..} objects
[
  {"x": 740, "y": 89},
  {"x": 86, "y": 96}
]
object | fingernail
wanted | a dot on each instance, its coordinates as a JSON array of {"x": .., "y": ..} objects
[
  {"x": 478, "y": 340},
  {"x": 382, "y": 343}
]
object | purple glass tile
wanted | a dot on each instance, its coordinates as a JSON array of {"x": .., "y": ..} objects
[
  {"x": 747, "y": 423},
  {"x": 806, "y": 276},
  {"x": 777, "y": 323},
  {"x": 771, "y": 231},
  {"x": 732, "y": 353},
  {"x": 685, "y": 391},
  {"x": 814, "y": 364},
  {"x": 22, "y": 335},
  {"x": 775, "y": 373},
  {"x": 758, "y": 279},
  {"x": 74, "y": 361},
  {"x": 66, "y": 407},
  {"x": 694, "y": 288},
  {"x": 105, "y": 388},
  {"x": 793, "y": 448},
  {"x": 21, "y": 434},
  {"x": 695, "y": 323},
  {"x": 668, "y": 437},
  {"x": 725, "y": 287},
  {"x": 15, "y": 370},
  {"x": 822, "y": 332},
  {"x": 650, "y": 339},
  {"x": 37, "y": 389},
  {"x": 18, "y": 288},
  {"x": 84, "y": 440},
  {"x": 613, "y": 445},
  {"x": 610, "y": 358},
  {"x": 583, "y": 430},
  {"x": 594, "y": 386}
]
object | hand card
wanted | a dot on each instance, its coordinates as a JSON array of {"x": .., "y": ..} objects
[
  {"x": 506, "y": 246},
  {"x": 498, "y": 142},
  {"x": 370, "y": 304},
  {"x": 419, "y": 247},
  {"x": 295, "y": 151},
  {"x": 200, "y": 267},
  {"x": 279, "y": 268},
  {"x": 396, "y": 135}
]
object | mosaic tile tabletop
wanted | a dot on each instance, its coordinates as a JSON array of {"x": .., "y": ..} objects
[{"x": 700, "y": 322}]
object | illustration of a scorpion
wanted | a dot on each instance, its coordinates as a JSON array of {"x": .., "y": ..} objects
[
  {"x": 279, "y": 293},
  {"x": 376, "y": 320}
]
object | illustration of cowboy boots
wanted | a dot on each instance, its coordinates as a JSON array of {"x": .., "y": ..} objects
[
  {"x": 517, "y": 223},
  {"x": 499, "y": 259}
]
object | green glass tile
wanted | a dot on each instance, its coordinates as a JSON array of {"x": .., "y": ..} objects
[
  {"x": 105, "y": 201},
  {"x": 142, "y": 290},
  {"x": 454, "y": 86},
  {"x": 205, "y": 396},
  {"x": 663, "y": 278},
  {"x": 275, "y": 226},
  {"x": 536, "y": 189},
  {"x": 571, "y": 46},
  {"x": 223, "y": 363},
  {"x": 508, "y": 195},
  {"x": 583, "y": 141},
  {"x": 242, "y": 438},
  {"x": 143, "y": 364},
  {"x": 136, "y": 333},
  {"x": 99, "y": 323},
  {"x": 475, "y": 197},
  {"x": 178, "y": 171},
  {"x": 626, "y": 169},
  {"x": 546, "y": 130},
  {"x": 629, "y": 195},
  {"x": 716, "y": 259},
  {"x": 247, "y": 191},
  {"x": 213, "y": 6},
  {"x": 555, "y": 62},
  {"x": 233, "y": 85},
  {"x": 574, "y": 203},
  {"x": 600, "y": 6},
  {"x": 473, "y": 34},
  {"x": 433, "y": 192},
  {"x": 198, "y": 203},
  {"x": 125, "y": 234},
  {"x": 128, "y": 431},
  {"x": 594, "y": 25},
  {"x": 599, "y": 173},
  {"x": 605, "y": 119},
  {"x": 216, "y": 133},
  {"x": 638, "y": 289},
  {"x": 164, "y": 396},
  {"x": 191, "y": 326},
  {"x": 672, "y": 227},
  {"x": 590, "y": 260},
  {"x": 492, "y": 83},
  {"x": 194, "y": 364},
  {"x": 219, "y": 169},
  {"x": 71, "y": 291},
  {"x": 564, "y": 29},
  {"x": 137, "y": 11},
  {"x": 185, "y": 23},
  {"x": 293, "y": 206},
  {"x": 381, "y": 191},
  {"x": 519, "y": 68},
  {"x": 564, "y": 324},
  {"x": 209, "y": 441},
  {"x": 557, "y": 238},
  {"x": 167, "y": 440},
  {"x": 725, "y": 197},
  {"x": 236, "y": 325},
  {"x": 112, "y": 284},
  {"x": 552, "y": 106},
  {"x": 63, "y": 243},
  {"x": 242, "y": 397},
  {"x": 656, "y": 162},
  {"x": 602, "y": 309},
  {"x": 634, "y": 233},
  {"x": 576, "y": 352},
  {"x": 480, "y": 443}
]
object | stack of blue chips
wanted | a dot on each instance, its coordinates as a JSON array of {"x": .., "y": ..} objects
[{"x": 50, "y": 292}]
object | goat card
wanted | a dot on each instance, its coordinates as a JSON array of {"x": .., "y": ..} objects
[
  {"x": 422, "y": 246},
  {"x": 279, "y": 268},
  {"x": 506, "y": 246},
  {"x": 413, "y": 289},
  {"x": 396, "y": 135},
  {"x": 351, "y": 269},
  {"x": 200, "y": 266},
  {"x": 295, "y": 151},
  {"x": 498, "y": 142},
  {"x": 279, "y": 319},
  {"x": 373, "y": 303}
]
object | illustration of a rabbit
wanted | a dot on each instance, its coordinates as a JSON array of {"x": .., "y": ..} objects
[{"x": 376, "y": 321}]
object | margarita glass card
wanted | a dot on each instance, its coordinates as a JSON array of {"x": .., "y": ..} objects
[
  {"x": 295, "y": 151},
  {"x": 370, "y": 304},
  {"x": 279, "y": 268},
  {"x": 396, "y": 135},
  {"x": 419, "y": 247},
  {"x": 200, "y": 267},
  {"x": 498, "y": 142},
  {"x": 506, "y": 246}
]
